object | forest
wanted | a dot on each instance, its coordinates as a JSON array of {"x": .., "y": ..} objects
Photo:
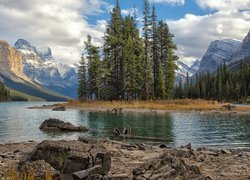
[
  {"x": 131, "y": 65},
  {"x": 4, "y": 93},
  {"x": 223, "y": 85}
]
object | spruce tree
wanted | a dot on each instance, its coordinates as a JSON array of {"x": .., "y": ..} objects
[
  {"x": 113, "y": 56},
  {"x": 93, "y": 58},
  {"x": 82, "y": 80},
  {"x": 155, "y": 56},
  {"x": 147, "y": 65}
]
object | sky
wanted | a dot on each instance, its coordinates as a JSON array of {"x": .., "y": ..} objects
[{"x": 63, "y": 25}]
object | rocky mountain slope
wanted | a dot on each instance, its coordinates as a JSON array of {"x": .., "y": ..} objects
[
  {"x": 243, "y": 51},
  {"x": 182, "y": 70},
  {"x": 11, "y": 74},
  {"x": 42, "y": 68},
  {"x": 228, "y": 50},
  {"x": 218, "y": 52}
]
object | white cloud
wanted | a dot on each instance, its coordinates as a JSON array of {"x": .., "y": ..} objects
[
  {"x": 130, "y": 11},
  {"x": 224, "y": 4},
  {"x": 194, "y": 33},
  {"x": 171, "y": 2},
  {"x": 61, "y": 25}
]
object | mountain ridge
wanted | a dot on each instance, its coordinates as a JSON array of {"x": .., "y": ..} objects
[{"x": 41, "y": 67}]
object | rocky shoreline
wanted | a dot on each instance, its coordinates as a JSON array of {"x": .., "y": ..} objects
[{"x": 88, "y": 158}]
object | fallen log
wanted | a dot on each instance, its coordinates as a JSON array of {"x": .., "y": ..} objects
[{"x": 127, "y": 136}]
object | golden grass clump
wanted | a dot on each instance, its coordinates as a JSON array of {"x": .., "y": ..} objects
[
  {"x": 12, "y": 174},
  {"x": 180, "y": 104}
]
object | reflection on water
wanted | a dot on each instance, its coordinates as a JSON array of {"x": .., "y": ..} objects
[{"x": 17, "y": 123}]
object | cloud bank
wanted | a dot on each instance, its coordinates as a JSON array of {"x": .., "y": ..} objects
[
  {"x": 194, "y": 33},
  {"x": 61, "y": 25}
]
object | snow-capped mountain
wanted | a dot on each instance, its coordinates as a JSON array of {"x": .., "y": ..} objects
[
  {"x": 244, "y": 49},
  {"x": 41, "y": 67},
  {"x": 183, "y": 69},
  {"x": 218, "y": 52},
  {"x": 196, "y": 65}
]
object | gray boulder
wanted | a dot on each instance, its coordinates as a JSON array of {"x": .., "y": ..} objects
[
  {"x": 72, "y": 156},
  {"x": 56, "y": 124}
]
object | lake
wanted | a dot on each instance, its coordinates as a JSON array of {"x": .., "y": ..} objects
[{"x": 17, "y": 123}]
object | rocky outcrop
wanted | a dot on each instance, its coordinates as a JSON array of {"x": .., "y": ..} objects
[
  {"x": 111, "y": 160},
  {"x": 10, "y": 58},
  {"x": 72, "y": 156},
  {"x": 56, "y": 124}
]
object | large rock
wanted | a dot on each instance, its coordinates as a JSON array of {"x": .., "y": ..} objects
[
  {"x": 168, "y": 166},
  {"x": 72, "y": 156},
  {"x": 56, "y": 124}
]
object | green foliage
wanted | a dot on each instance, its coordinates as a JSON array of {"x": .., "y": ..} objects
[
  {"x": 223, "y": 85},
  {"x": 131, "y": 67},
  {"x": 82, "y": 80},
  {"x": 93, "y": 58},
  {"x": 4, "y": 93}
]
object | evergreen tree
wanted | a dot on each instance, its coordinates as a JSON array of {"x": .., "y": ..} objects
[
  {"x": 132, "y": 59},
  {"x": 82, "y": 80},
  {"x": 166, "y": 56},
  {"x": 93, "y": 58},
  {"x": 155, "y": 53},
  {"x": 147, "y": 61},
  {"x": 221, "y": 85},
  {"x": 113, "y": 55}
]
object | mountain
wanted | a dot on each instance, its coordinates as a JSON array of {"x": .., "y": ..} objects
[
  {"x": 196, "y": 65},
  {"x": 42, "y": 68},
  {"x": 182, "y": 70},
  {"x": 243, "y": 50},
  {"x": 11, "y": 74},
  {"x": 218, "y": 52}
]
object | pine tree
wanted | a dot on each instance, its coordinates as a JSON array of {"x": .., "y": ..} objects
[
  {"x": 161, "y": 88},
  {"x": 132, "y": 59},
  {"x": 82, "y": 80},
  {"x": 155, "y": 53},
  {"x": 166, "y": 56},
  {"x": 113, "y": 56},
  {"x": 147, "y": 61},
  {"x": 93, "y": 58}
]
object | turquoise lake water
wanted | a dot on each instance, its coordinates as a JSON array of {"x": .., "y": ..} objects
[{"x": 17, "y": 123}]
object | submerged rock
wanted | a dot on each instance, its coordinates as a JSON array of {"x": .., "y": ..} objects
[
  {"x": 59, "y": 108},
  {"x": 56, "y": 124}
]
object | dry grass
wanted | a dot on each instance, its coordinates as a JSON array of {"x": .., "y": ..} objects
[
  {"x": 183, "y": 104},
  {"x": 12, "y": 174}
]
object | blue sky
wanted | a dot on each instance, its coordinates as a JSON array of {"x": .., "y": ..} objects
[
  {"x": 164, "y": 10},
  {"x": 64, "y": 25}
]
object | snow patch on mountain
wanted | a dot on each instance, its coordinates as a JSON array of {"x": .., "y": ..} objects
[
  {"x": 183, "y": 69},
  {"x": 41, "y": 67}
]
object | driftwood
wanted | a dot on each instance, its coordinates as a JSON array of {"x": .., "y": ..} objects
[
  {"x": 229, "y": 107},
  {"x": 116, "y": 110},
  {"x": 126, "y": 134}
]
